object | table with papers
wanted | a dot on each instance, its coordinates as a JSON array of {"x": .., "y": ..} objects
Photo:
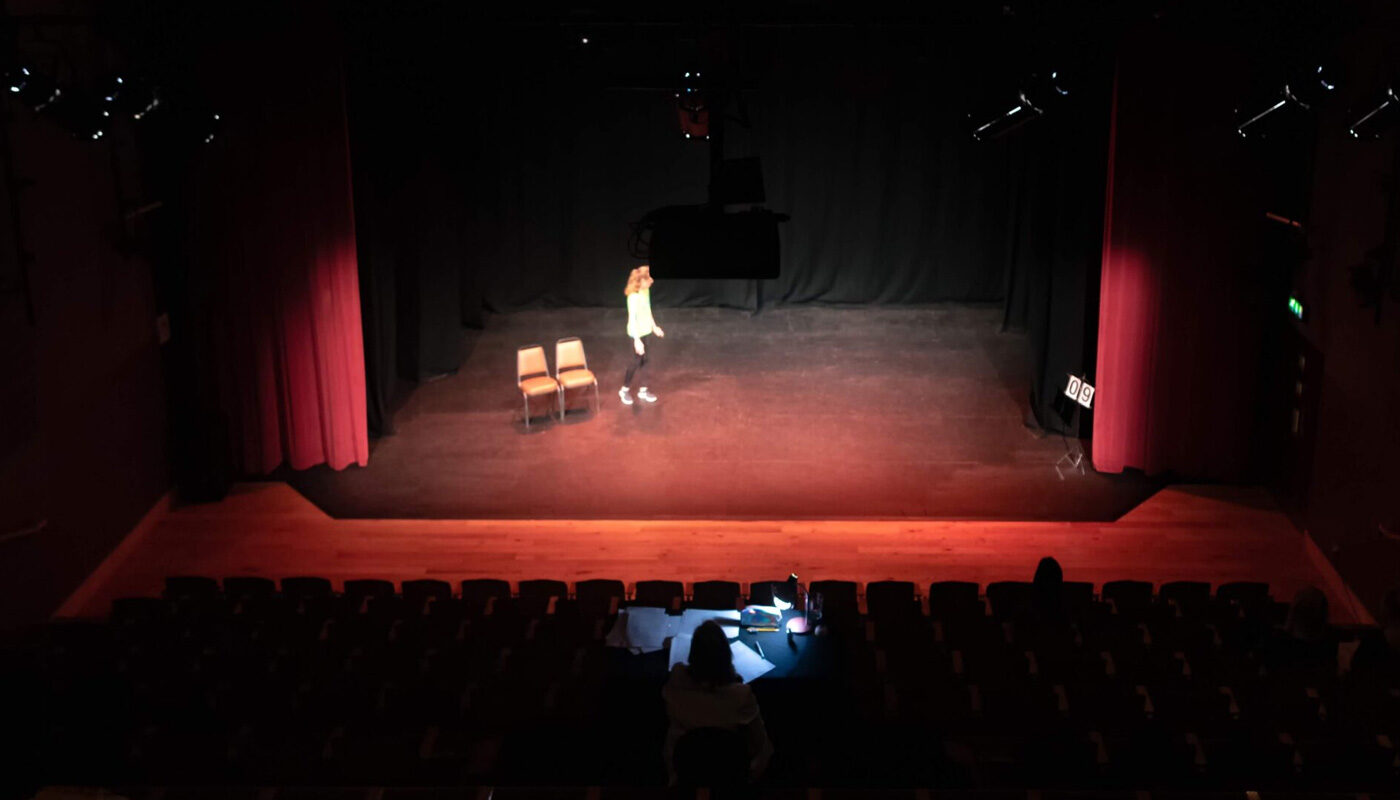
[{"x": 644, "y": 633}]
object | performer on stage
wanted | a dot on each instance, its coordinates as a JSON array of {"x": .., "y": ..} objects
[{"x": 639, "y": 325}]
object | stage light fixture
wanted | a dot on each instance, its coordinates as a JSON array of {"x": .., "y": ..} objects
[
  {"x": 1300, "y": 94},
  {"x": 1038, "y": 94},
  {"x": 127, "y": 97},
  {"x": 33, "y": 88},
  {"x": 1379, "y": 118},
  {"x": 692, "y": 108},
  {"x": 86, "y": 117},
  {"x": 211, "y": 127}
]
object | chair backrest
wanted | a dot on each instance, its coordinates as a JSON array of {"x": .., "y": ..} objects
[
  {"x": 360, "y": 588},
  {"x": 599, "y": 597},
  {"x": 240, "y": 586},
  {"x": 839, "y": 598},
  {"x": 195, "y": 586},
  {"x": 761, "y": 592},
  {"x": 890, "y": 599},
  {"x": 1132, "y": 599},
  {"x": 538, "y": 594},
  {"x": 568, "y": 354},
  {"x": 665, "y": 594},
  {"x": 477, "y": 592},
  {"x": 1009, "y": 598},
  {"x": 949, "y": 599},
  {"x": 530, "y": 362},
  {"x": 1078, "y": 597},
  {"x": 715, "y": 595},
  {"x": 1191, "y": 598},
  {"x": 711, "y": 757},
  {"x": 306, "y": 586},
  {"x": 1243, "y": 592},
  {"x": 417, "y": 593}
]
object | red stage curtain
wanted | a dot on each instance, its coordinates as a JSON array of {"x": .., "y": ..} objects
[
  {"x": 278, "y": 227},
  {"x": 1179, "y": 320}
]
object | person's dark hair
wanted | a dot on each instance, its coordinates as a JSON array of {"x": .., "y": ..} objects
[
  {"x": 711, "y": 662},
  {"x": 1308, "y": 617},
  {"x": 1048, "y": 584}
]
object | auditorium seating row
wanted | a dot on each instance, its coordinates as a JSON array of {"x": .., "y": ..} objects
[
  {"x": 643, "y": 793},
  {"x": 963, "y": 687}
]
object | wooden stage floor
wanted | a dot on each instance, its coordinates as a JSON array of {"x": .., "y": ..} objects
[{"x": 1213, "y": 534}]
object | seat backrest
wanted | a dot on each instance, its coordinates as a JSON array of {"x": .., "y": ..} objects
[
  {"x": 599, "y": 597},
  {"x": 1191, "y": 598},
  {"x": 417, "y": 592},
  {"x": 240, "y": 586},
  {"x": 530, "y": 362},
  {"x": 1009, "y": 598},
  {"x": 890, "y": 599},
  {"x": 360, "y": 588},
  {"x": 1078, "y": 596},
  {"x": 665, "y": 594},
  {"x": 568, "y": 354},
  {"x": 1132, "y": 599},
  {"x": 1246, "y": 593},
  {"x": 949, "y": 599},
  {"x": 839, "y": 598},
  {"x": 761, "y": 592},
  {"x": 715, "y": 595},
  {"x": 477, "y": 591},
  {"x": 304, "y": 586},
  {"x": 194, "y": 586},
  {"x": 711, "y": 757}
]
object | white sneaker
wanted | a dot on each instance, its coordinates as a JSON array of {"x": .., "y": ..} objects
[
  {"x": 624, "y": 396},
  {"x": 645, "y": 395}
]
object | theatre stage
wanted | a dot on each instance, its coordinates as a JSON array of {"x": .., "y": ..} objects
[{"x": 790, "y": 414}]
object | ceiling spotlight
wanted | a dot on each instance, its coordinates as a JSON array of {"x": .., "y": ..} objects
[
  {"x": 211, "y": 127},
  {"x": 130, "y": 97},
  {"x": 33, "y": 88},
  {"x": 1031, "y": 102},
  {"x": 1300, "y": 94},
  {"x": 1380, "y": 118},
  {"x": 692, "y": 108},
  {"x": 584, "y": 40},
  {"x": 84, "y": 115}
]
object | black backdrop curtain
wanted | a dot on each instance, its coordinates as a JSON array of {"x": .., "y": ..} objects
[{"x": 500, "y": 169}]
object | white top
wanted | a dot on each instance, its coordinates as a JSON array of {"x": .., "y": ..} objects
[
  {"x": 639, "y": 321},
  {"x": 690, "y": 705}
]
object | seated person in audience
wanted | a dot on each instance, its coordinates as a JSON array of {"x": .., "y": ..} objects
[
  {"x": 707, "y": 693},
  {"x": 1047, "y": 591},
  {"x": 1307, "y": 644},
  {"x": 1378, "y": 654}
]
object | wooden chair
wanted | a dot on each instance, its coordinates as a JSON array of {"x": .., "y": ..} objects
[
  {"x": 532, "y": 376},
  {"x": 571, "y": 371}
]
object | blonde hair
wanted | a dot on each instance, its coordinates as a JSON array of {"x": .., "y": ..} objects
[{"x": 634, "y": 280}]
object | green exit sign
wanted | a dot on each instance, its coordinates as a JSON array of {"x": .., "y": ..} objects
[{"x": 1295, "y": 307}]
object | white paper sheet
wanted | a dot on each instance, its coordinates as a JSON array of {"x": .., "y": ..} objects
[
  {"x": 693, "y": 618},
  {"x": 747, "y": 663},
  {"x": 647, "y": 628},
  {"x": 680, "y": 651}
]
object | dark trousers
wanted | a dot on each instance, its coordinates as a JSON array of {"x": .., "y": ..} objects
[{"x": 638, "y": 361}]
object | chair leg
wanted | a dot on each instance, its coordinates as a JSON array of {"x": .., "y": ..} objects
[
  {"x": 595, "y": 398},
  {"x": 526, "y": 397},
  {"x": 561, "y": 403}
]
